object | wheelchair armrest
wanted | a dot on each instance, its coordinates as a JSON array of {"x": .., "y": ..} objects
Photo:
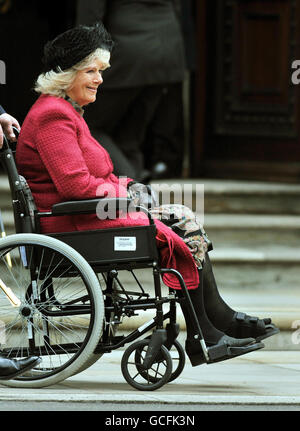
[{"x": 89, "y": 206}]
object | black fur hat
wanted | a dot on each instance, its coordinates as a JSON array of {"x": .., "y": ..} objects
[{"x": 72, "y": 46}]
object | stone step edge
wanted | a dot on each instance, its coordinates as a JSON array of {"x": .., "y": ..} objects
[
  {"x": 225, "y": 221},
  {"x": 227, "y": 187},
  {"x": 243, "y": 255}
]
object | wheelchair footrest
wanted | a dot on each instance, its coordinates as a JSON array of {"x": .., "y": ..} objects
[
  {"x": 223, "y": 351},
  {"x": 218, "y": 351}
]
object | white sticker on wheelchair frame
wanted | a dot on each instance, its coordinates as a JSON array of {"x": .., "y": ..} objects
[
  {"x": 145, "y": 325},
  {"x": 125, "y": 243}
]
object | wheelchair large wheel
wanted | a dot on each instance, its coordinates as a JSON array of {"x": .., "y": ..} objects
[
  {"x": 51, "y": 305},
  {"x": 148, "y": 379},
  {"x": 177, "y": 354}
]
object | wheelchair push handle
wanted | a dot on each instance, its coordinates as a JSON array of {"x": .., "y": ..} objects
[
  {"x": 7, "y": 159},
  {"x": 9, "y": 144},
  {"x": 5, "y": 145}
]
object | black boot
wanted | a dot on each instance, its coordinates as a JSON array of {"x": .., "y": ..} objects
[
  {"x": 211, "y": 335},
  {"x": 11, "y": 368},
  {"x": 227, "y": 320}
]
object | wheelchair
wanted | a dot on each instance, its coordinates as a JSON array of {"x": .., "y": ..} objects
[{"x": 61, "y": 297}]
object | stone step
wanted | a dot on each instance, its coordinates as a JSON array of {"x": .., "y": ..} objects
[
  {"x": 268, "y": 268},
  {"x": 252, "y": 231},
  {"x": 251, "y": 197},
  {"x": 239, "y": 197}
]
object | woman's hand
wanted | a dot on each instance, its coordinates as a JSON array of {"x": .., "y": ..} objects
[{"x": 143, "y": 195}]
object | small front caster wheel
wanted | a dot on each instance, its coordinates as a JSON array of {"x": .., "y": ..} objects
[
  {"x": 148, "y": 379},
  {"x": 178, "y": 362}
]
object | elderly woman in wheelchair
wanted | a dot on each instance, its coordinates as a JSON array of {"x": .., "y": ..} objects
[{"x": 70, "y": 176}]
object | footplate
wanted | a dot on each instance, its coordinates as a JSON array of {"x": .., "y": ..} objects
[
  {"x": 223, "y": 351},
  {"x": 218, "y": 351}
]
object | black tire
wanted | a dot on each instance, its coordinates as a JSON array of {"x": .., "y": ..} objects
[
  {"x": 158, "y": 374},
  {"x": 180, "y": 357},
  {"x": 177, "y": 355}
]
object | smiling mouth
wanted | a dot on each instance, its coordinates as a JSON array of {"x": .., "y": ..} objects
[{"x": 94, "y": 90}]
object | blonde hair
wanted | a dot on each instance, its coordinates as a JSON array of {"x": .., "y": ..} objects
[{"x": 57, "y": 83}]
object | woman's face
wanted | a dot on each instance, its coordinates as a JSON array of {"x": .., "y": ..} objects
[{"x": 86, "y": 83}]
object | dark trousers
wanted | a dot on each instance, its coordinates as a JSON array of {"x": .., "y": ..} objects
[{"x": 139, "y": 126}]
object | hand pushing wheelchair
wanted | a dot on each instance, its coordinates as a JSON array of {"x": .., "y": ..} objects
[{"x": 52, "y": 303}]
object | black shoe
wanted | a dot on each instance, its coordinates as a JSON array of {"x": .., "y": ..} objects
[
  {"x": 226, "y": 348},
  {"x": 243, "y": 326},
  {"x": 11, "y": 368}
]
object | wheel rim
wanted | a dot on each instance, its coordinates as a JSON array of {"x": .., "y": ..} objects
[
  {"x": 147, "y": 380},
  {"x": 55, "y": 313},
  {"x": 178, "y": 359}
]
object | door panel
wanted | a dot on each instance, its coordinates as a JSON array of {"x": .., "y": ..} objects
[{"x": 251, "y": 126}]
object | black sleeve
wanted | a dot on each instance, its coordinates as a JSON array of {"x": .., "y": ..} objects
[{"x": 2, "y": 111}]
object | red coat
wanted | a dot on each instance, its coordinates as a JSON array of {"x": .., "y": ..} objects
[{"x": 62, "y": 161}]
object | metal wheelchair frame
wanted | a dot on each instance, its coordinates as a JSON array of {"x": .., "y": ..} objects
[{"x": 149, "y": 353}]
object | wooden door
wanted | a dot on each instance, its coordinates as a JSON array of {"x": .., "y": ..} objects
[{"x": 247, "y": 122}]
